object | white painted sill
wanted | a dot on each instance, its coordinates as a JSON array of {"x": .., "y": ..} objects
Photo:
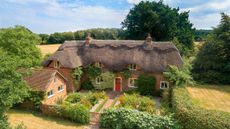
[
  {"x": 60, "y": 90},
  {"x": 50, "y": 96}
]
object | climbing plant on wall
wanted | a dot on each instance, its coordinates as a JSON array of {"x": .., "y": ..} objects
[
  {"x": 77, "y": 74},
  {"x": 126, "y": 73},
  {"x": 93, "y": 71},
  {"x": 108, "y": 81}
]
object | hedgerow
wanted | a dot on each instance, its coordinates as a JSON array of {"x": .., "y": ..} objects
[
  {"x": 192, "y": 116},
  {"x": 132, "y": 119}
]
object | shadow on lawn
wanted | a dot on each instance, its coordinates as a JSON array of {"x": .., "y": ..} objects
[{"x": 57, "y": 120}]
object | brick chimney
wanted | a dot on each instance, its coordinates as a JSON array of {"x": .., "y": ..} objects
[
  {"x": 148, "y": 40},
  {"x": 148, "y": 44},
  {"x": 88, "y": 39}
]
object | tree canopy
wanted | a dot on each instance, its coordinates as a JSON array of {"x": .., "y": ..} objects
[
  {"x": 17, "y": 51},
  {"x": 213, "y": 61},
  {"x": 21, "y": 43},
  {"x": 98, "y": 33},
  {"x": 162, "y": 22}
]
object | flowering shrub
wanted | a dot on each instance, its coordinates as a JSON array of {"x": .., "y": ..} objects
[
  {"x": 87, "y": 99},
  {"x": 135, "y": 101},
  {"x": 133, "y": 119}
]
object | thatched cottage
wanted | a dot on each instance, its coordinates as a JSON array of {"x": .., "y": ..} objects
[{"x": 140, "y": 56}]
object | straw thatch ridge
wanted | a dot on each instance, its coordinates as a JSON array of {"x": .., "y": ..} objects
[{"x": 117, "y": 54}]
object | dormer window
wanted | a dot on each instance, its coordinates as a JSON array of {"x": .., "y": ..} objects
[
  {"x": 57, "y": 64},
  {"x": 98, "y": 64},
  {"x": 132, "y": 66}
]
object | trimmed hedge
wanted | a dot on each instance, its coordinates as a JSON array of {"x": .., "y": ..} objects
[
  {"x": 146, "y": 84},
  {"x": 192, "y": 116},
  {"x": 132, "y": 119},
  {"x": 75, "y": 112}
]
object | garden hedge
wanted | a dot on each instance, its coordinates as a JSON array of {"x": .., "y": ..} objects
[
  {"x": 75, "y": 112},
  {"x": 132, "y": 119},
  {"x": 146, "y": 84},
  {"x": 192, "y": 116}
]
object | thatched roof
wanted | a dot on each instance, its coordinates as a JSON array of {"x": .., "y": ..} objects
[
  {"x": 41, "y": 78},
  {"x": 117, "y": 54}
]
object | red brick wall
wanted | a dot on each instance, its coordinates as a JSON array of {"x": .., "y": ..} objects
[
  {"x": 135, "y": 73},
  {"x": 67, "y": 73},
  {"x": 56, "y": 94},
  {"x": 125, "y": 82}
]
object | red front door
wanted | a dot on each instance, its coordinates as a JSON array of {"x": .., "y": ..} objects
[{"x": 117, "y": 84}]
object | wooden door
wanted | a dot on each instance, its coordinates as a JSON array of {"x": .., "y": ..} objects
[{"x": 118, "y": 85}]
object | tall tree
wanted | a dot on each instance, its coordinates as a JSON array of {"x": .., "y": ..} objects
[
  {"x": 212, "y": 63},
  {"x": 17, "y": 50},
  {"x": 21, "y": 43},
  {"x": 163, "y": 22}
]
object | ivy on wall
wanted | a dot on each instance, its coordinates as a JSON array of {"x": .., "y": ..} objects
[
  {"x": 77, "y": 74},
  {"x": 126, "y": 73},
  {"x": 93, "y": 71},
  {"x": 108, "y": 81}
]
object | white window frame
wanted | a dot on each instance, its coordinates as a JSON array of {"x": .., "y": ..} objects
[
  {"x": 132, "y": 86},
  {"x": 57, "y": 64},
  {"x": 51, "y": 91},
  {"x": 98, "y": 64},
  {"x": 132, "y": 67},
  {"x": 99, "y": 80},
  {"x": 164, "y": 84},
  {"x": 61, "y": 88}
]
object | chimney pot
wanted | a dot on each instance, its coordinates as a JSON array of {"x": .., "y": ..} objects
[
  {"x": 88, "y": 39},
  {"x": 148, "y": 40}
]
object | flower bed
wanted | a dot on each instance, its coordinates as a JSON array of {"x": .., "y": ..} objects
[
  {"x": 138, "y": 102},
  {"x": 76, "y": 107}
]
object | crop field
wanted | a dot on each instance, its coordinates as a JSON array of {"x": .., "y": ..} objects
[
  {"x": 211, "y": 97},
  {"x": 48, "y": 49}
]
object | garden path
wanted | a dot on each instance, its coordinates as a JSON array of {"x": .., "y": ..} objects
[
  {"x": 158, "y": 105},
  {"x": 95, "y": 117}
]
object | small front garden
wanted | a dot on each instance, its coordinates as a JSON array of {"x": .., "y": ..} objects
[
  {"x": 137, "y": 102},
  {"x": 76, "y": 107}
]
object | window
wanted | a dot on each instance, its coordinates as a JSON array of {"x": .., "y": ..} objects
[
  {"x": 60, "y": 88},
  {"x": 132, "y": 82},
  {"x": 57, "y": 64},
  {"x": 98, "y": 65},
  {"x": 50, "y": 93},
  {"x": 132, "y": 66},
  {"x": 99, "y": 80},
  {"x": 164, "y": 85}
]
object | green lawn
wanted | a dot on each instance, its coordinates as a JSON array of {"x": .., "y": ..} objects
[
  {"x": 211, "y": 97},
  {"x": 38, "y": 121}
]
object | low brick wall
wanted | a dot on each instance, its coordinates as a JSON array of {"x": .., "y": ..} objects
[{"x": 49, "y": 110}]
